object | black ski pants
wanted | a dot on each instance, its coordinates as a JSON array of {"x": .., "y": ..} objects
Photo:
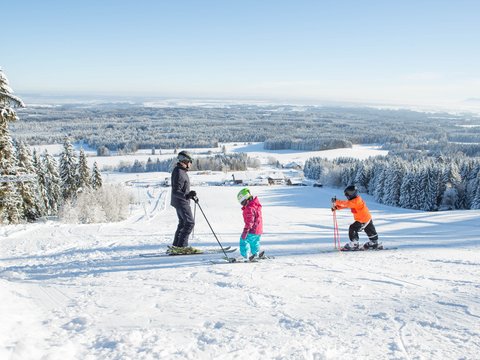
[
  {"x": 369, "y": 229},
  {"x": 185, "y": 225}
]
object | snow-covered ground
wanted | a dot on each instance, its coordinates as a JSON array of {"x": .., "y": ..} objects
[{"x": 83, "y": 291}]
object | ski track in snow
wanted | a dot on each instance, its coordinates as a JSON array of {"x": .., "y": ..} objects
[{"x": 83, "y": 291}]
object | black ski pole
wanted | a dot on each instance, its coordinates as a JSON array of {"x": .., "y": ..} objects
[
  {"x": 213, "y": 232},
  {"x": 194, "y": 215}
]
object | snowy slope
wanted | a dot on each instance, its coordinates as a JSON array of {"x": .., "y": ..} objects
[{"x": 82, "y": 291}]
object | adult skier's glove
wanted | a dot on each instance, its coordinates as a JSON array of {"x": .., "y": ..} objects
[{"x": 192, "y": 194}]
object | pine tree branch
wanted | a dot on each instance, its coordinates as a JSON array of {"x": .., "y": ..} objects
[{"x": 15, "y": 99}]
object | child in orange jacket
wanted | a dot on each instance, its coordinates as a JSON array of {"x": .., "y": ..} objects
[{"x": 362, "y": 217}]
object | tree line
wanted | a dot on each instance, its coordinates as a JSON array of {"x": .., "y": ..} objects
[
  {"x": 218, "y": 162},
  {"x": 414, "y": 182},
  {"x": 50, "y": 184},
  {"x": 33, "y": 185}
]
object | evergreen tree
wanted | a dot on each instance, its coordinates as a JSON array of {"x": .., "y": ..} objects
[
  {"x": 68, "y": 171},
  {"x": 41, "y": 181},
  {"x": 150, "y": 166},
  {"x": 393, "y": 182},
  {"x": 379, "y": 184},
  {"x": 454, "y": 188},
  {"x": 418, "y": 195},
  {"x": 432, "y": 190},
  {"x": 362, "y": 177},
  {"x": 10, "y": 199},
  {"x": 374, "y": 173},
  {"x": 84, "y": 180},
  {"x": 96, "y": 177},
  {"x": 421, "y": 197},
  {"x": 53, "y": 183},
  {"x": 28, "y": 190},
  {"x": 476, "y": 199},
  {"x": 406, "y": 191},
  {"x": 471, "y": 182}
]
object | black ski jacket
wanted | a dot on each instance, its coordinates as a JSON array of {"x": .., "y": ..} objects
[{"x": 180, "y": 187}]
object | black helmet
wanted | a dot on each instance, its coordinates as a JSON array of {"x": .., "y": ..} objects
[
  {"x": 351, "y": 192},
  {"x": 184, "y": 156}
]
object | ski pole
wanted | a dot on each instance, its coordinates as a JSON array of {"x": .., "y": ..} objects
[
  {"x": 194, "y": 215},
  {"x": 336, "y": 234},
  {"x": 213, "y": 232}
]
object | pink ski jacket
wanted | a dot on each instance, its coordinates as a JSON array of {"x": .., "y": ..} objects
[{"x": 252, "y": 216}]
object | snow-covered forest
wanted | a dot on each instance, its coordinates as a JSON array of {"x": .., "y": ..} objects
[
  {"x": 128, "y": 127},
  {"x": 420, "y": 182},
  {"x": 34, "y": 185}
]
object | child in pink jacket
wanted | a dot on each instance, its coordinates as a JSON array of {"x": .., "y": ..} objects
[{"x": 253, "y": 228}]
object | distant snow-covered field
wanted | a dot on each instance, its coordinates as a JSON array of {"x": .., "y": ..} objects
[
  {"x": 83, "y": 291},
  {"x": 255, "y": 150}
]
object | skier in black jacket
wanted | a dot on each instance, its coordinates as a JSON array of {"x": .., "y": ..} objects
[{"x": 181, "y": 195}]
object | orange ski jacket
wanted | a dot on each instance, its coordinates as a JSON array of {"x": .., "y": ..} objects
[{"x": 357, "y": 206}]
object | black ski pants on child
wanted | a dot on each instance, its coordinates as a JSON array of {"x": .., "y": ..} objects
[
  {"x": 185, "y": 224},
  {"x": 369, "y": 229}
]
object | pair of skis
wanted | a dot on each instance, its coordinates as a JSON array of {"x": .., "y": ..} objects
[
  {"x": 359, "y": 249},
  {"x": 227, "y": 249}
]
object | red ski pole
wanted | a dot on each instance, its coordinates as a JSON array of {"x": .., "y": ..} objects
[{"x": 336, "y": 233}]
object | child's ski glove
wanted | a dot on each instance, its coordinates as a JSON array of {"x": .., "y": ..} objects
[
  {"x": 334, "y": 207},
  {"x": 244, "y": 234}
]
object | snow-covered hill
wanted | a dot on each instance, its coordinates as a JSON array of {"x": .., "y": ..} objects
[{"x": 83, "y": 291}]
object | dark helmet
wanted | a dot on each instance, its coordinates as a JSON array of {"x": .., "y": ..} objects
[
  {"x": 184, "y": 156},
  {"x": 351, "y": 192}
]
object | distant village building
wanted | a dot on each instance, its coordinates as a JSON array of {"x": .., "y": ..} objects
[
  {"x": 293, "y": 165},
  {"x": 260, "y": 181},
  {"x": 296, "y": 182},
  {"x": 276, "y": 179}
]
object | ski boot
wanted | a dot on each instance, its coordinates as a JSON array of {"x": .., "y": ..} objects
[
  {"x": 351, "y": 246},
  {"x": 173, "y": 249},
  {"x": 192, "y": 250},
  {"x": 255, "y": 257},
  {"x": 372, "y": 245},
  {"x": 178, "y": 250}
]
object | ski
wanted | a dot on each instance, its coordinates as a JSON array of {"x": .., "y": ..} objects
[
  {"x": 356, "y": 250},
  {"x": 241, "y": 260},
  {"x": 232, "y": 260},
  {"x": 227, "y": 249},
  {"x": 371, "y": 250}
]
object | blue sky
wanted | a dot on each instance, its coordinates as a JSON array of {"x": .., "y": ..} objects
[{"x": 409, "y": 51}]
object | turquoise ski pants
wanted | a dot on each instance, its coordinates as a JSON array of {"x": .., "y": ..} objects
[{"x": 252, "y": 243}]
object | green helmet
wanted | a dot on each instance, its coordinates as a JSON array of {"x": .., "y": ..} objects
[{"x": 243, "y": 195}]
